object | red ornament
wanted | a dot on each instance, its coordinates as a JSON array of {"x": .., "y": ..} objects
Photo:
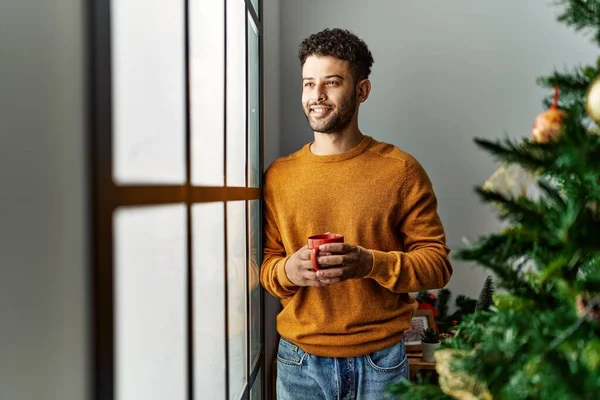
[
  {"x": 547, "y": 125},
  {"x": 454, "y": 322},
  {"x": 427, "y": 306},
  {"x": 431, "y": 296}
]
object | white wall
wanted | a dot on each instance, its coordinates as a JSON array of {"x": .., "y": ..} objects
[
  {"x": 44, "y": 308},
  {"x": 444, "y": 73}
]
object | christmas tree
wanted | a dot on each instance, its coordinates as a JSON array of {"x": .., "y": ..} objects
[
  {"x": 486, "y": 296},
  {"x": 442, "y": 304},
  {"x": 540, "y": 339}
]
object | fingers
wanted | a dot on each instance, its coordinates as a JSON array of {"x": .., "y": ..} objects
[
  {"x": 332, "y": 260},
  {"x": 311, "y": 279},
  {"x": 304, "y": 253},
  {"x": 327, "y": 282},
  {"x": 338, "y": 247},
  {"x": 318, "y": 279},
  {"x": 338, "y": 259},
  {"x": 330, "y": 273}
]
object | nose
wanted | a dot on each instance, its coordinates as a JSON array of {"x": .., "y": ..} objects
[{"x": 319, "y": 94}]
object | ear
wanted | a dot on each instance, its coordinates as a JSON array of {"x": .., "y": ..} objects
[{"x": 362, "y": 90}]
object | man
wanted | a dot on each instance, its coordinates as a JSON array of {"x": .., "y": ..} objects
[{"x": 341, "y": 326}]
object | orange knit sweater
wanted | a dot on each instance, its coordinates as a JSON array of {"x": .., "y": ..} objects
[{"x": 378, "y": 197}]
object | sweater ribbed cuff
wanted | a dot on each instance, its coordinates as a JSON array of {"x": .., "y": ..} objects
[
  {"x": 282, "y": 276},
  {"x": 383, "y": 263}
]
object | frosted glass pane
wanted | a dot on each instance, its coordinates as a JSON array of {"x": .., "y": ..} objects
[
  {"x": 253, "y": 106},
  {"x": 236, "y": 93},
  {"x": 236, "y": 274},
  {"x": 207, "y": 76},
  {"x": 148, "y": 91},
  {"x": 256, "y": 391},
  {"x": 150, "y": 303},
  {"x": 254, "y": 234},
  {"x": 208, "y": 233}
]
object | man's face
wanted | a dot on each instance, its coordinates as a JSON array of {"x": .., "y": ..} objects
[{"x": 329, "y": 94}]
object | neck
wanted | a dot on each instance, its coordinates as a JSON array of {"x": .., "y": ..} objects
[{"x": 327, "y": 144}]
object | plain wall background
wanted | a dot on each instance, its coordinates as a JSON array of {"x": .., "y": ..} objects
[{"x": 45, "y": 311}]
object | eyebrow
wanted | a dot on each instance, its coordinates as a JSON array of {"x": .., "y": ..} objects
[{"x": 326, "y": 77}]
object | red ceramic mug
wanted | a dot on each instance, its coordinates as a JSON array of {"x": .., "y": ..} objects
[{"x": 316, "y": 240}]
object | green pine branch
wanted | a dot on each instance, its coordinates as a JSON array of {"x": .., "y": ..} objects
[
  {"x": 540, "y": 217},
  {"x": 553, "y": 194},
  {"x": 572, "y": 86},
  {"x": 578, "y": 80},
  {"x": 589, "y": 277},
  {"x": 531, "y": 156},
  {"x": 582, "y": 15},
  {"x": 509, "y": 349},
  {"x": 419, "y": 390}
]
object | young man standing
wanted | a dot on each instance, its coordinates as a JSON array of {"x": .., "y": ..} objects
[{"x": 342, "y": 326}]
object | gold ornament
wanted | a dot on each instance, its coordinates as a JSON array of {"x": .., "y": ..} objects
[
  {"x": 594, "y": 131},
  {"x": 510, "y": 180},
  {"x": 592, "y": 100},
  {"x": 547, "y": 125},
  {"x": 456, "y": 384}
]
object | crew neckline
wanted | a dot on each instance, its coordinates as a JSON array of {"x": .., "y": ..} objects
[{"x": 353, "y": 152}]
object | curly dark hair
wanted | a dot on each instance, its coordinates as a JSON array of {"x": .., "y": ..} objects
[{"x": 342, "y": 44}]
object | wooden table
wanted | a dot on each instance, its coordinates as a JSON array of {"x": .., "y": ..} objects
[{"x": 418, "y": 365}]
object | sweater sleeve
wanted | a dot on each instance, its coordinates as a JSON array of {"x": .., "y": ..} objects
[
  {"x": 272, "y": 274},
  {"x": 424, "y": 263}
]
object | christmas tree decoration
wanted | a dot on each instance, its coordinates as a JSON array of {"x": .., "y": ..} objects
[
  {"x": 548, "y": 124},
  {"x": 428, "y": 306},
  {"x": 457, "y": 385},
  {"x": 588, "y": 306},
  {"x": 486, "y": 296},
  {"x": 541, "y": 338},
  {"x": 439, "y": 307},
  {"x": 425, "y": 297},
  {"x": 592, "y": 100},
  {"x": 510, "y": 180}
]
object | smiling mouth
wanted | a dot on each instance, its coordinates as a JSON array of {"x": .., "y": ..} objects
[{"x": 320, "y": 110}]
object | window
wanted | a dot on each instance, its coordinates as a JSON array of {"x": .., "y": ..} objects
[{"x": 177, "y": 161}]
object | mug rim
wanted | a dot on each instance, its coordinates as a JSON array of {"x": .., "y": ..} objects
[{"x": 326, "y": 236}]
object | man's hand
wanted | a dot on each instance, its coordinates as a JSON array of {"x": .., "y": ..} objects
[
  {"x": 341, "y": 261},
  {"x": 299, "y": 271}
]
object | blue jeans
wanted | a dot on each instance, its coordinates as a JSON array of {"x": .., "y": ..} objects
[{"x": 303, "y": 376}]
